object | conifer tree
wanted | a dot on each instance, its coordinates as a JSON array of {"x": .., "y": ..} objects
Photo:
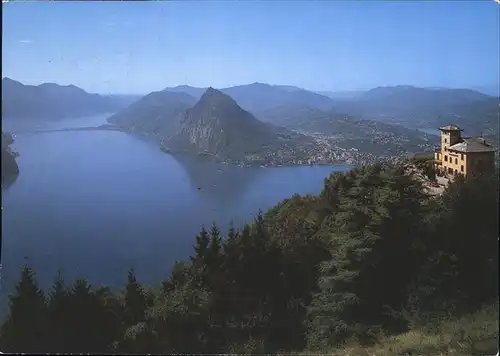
[
  {"x": 25, "y": 328},
  {"x": 57, "y": 312},
  {"x": 84, "y": 318},
  {"x": 214, "y": 260},
  {"x": 201, "y": 246},
  {"x": 135, "y": 301}
]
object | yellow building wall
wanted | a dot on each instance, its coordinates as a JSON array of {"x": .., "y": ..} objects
[{"x": 454, "y": 162}]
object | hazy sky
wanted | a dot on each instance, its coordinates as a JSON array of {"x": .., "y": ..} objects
[{"x": 138, "y": 47}]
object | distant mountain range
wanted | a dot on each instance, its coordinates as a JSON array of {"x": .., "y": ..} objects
[
  {"x": 53, "y": 101},
  {"x": 226, "y": 122},
  {"x": 417, "y": 107},
  {"x": 403, "y": 105},
  {"x": 259, "y": 97},
  {"x": 282, "y": 105}
]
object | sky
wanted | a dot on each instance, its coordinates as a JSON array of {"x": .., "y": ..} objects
[{"x": 139, "y": 47}]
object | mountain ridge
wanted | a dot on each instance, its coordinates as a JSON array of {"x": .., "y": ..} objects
[
  {"x": 51, "y": 101},
  {"x": 407, "y": 105}
]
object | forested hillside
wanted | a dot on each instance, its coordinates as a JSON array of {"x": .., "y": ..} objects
[
  {"x": 10, "y": 169},
  {"x": 370, "y": 258}
]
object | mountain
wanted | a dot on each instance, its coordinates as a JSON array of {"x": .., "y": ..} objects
[
  {"x": 477, "y": 118},
  {"x": 423, "y": 108},
  {"x": 492, "y": 89},
  {"x": 218, "y": 127},
  {"x": 193, "y": 91},
  {"x": 124, "y": 100},
  {"x": 408, "y": 105},
  {"x": 259, "y": 98},
  {"x": 266, "y": 101},
  {"x": 293, "y": 115},
  {"x": 50, "y": 100},
  {"x": 404, "y": 104},
  {"x": 288, "y": 88},
  {"x": 158, "y": 113},
  {"x": 347, "y": 94}
]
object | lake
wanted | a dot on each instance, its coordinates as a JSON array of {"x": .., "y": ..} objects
[{"x": 96, "y": 203}]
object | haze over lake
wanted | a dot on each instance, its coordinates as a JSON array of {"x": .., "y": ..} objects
[{"x": 95, "y": 203}]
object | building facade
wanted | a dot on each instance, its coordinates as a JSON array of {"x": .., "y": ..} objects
[{"x": 463, "y": 155}]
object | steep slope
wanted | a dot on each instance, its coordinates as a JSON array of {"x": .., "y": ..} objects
[
  {"x": 157, "y": 114},
  {"x": 51, "y": 100},
  {"x": 217, "y": 126}
]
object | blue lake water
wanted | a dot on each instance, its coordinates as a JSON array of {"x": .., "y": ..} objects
[{"x": 96, "y": 203}]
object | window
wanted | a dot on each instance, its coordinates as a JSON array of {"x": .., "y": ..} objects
[
  {"x": 462, "y": 156},
  {"x": 456, "y": 161},
  {"x": 445, "y": 140},
  {"x": 450, "y": 171},
  {"x": 446, "y": 149},
  {"x": 446, "y": 158},
  {"x": 461, "y": 168}
]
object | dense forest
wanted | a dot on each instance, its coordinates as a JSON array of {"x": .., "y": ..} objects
[{"x": 371, "y": 256}]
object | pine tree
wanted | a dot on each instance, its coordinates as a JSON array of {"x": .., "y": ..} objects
[
  {"x": 135, "y": 301},
  {"x": 25, "y": 328},
  {"x": 214, "y": 260},
  {"x": 201, "y": 246},
  {"x": 110, "y": 314},
  {"x": 84, "y": 318},
  {"x": 57, "y": 309}
]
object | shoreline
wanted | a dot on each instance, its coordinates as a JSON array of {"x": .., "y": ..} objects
[{"x": 208, "y": 157}]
